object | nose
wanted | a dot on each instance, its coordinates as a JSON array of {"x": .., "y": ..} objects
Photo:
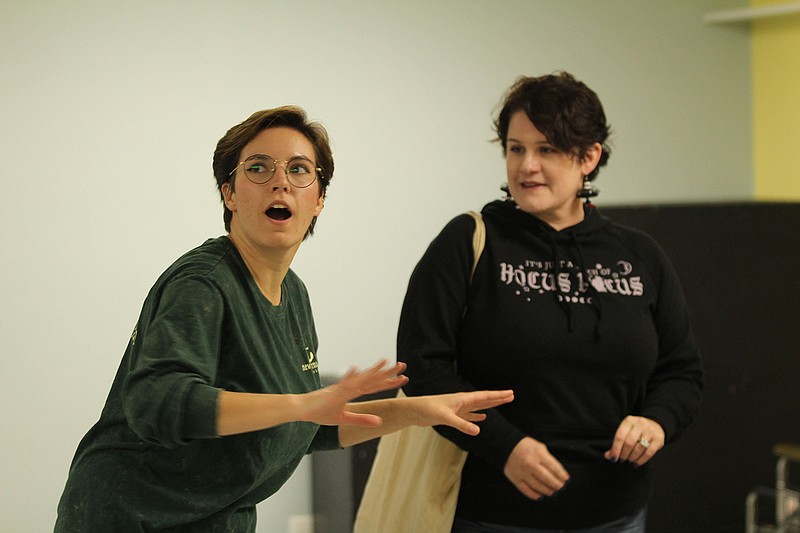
[
  {"x": 531, "y": 162},
  {"x": 280, "y": 179}
]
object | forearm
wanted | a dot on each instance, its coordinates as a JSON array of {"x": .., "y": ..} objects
[
  {"x": 395, "y": 413},
  {"x": 240, "y": 412}
]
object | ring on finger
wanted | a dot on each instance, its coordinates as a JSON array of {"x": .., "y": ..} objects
[{"x": 644, "y": 443}]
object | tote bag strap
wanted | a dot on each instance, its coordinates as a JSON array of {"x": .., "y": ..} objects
[{"x": 478, "y": 240}]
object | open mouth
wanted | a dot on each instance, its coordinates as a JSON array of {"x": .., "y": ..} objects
[{"x": 278, "y": 212}]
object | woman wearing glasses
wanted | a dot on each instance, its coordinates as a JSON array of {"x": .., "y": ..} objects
[
  {"x": 218, "y": 396},
  {"x": 583, "y": 318}
]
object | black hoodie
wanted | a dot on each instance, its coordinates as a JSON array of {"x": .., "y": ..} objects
[{"x": 587, "y": 325}]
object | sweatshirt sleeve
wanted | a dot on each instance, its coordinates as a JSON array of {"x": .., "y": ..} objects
[
  {"x": 674, "y": 389},
  {"x": 168, "y": 395},
  {"x": 427, "y": 339},
  {"x": 326, "y": 438}
]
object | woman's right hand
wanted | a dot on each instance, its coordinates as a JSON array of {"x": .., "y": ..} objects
[
  {"x": 329, "y": 405},
  {"x": 535, "y": 472}
]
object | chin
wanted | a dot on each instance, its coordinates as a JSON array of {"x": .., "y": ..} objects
[{"x": 529, "y": 207}]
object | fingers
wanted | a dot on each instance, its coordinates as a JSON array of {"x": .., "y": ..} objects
[
  {"x": 543, "y": 484},
  {"x": 327, "y": 405},
  {"x": 379, "y": 377},
  {"x": 478, "y": 401},
  {"x": 452, "y": 416},
  {"x": 637, "y": 440},
  {"x": 464, "y": 426},
  {"x": 531, "y": 492},
  {"x": 460, "y": 411},
  {"x": 534, "y": 471}
]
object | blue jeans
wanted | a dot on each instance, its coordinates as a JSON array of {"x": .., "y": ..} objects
[{"x": 634, "y": 523}]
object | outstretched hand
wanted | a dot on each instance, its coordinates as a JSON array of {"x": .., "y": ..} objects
[
  {"x": 328, "y": 405},
  {"x": 458, "y": 410}
]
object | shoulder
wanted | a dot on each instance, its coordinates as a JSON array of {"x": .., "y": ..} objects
[
  {"x": 642, "y": 247},
  {"x": 460, "y": 225},
  {"x": 214, "y": 265},
  {"x": 633, "y": 238},
  {"x": 214, "y": 259},
  {"x": 455, "y": 237},
  {"x": 205, "y": 258},
  {"x": 629, "y": 233},
  {"x": 294, "y": 284}
]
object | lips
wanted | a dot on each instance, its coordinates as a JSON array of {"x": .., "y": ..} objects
[
  {"x": 278, "y": 212},
  {"x": 532, "y": 185}
]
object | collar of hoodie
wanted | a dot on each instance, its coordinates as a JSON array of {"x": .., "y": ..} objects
[{"x": 559, "y": 241}]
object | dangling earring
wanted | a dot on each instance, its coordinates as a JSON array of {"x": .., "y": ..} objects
[
  {"x": 506, "y": 193},
  {"x": 587, "y": 191}
]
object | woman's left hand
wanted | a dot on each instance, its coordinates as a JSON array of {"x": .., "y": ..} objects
[
  {"x": 637, "y": 440},
  {"x": 458, "y": 409}
]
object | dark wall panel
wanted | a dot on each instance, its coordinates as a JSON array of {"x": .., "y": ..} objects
[{"x": 740, "y": 269}]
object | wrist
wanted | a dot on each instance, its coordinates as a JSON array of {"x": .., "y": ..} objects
[
  {"x": 295, "y": 408},
  {"x": 414, "y": 411}
]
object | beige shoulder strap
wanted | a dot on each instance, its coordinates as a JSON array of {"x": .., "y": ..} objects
[{"x": 478, "y": 239}]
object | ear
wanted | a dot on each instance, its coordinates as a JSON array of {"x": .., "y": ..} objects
[
  {"x": 229, "y": 195},
  {"x": 592, "y": 157},
  {"x": 318, "y": 208}
]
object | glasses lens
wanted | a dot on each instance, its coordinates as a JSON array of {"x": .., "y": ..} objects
[
  {"x": 259, "y": 168},
  {"x": 300, "y": 172}
]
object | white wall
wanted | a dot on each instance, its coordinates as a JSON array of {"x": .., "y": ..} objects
[{"x": 110, "y": 111}]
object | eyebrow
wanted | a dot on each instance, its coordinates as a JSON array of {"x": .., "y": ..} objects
[
  {"x": 513, "y": 139},
  {"x": 292, "y": 158}
]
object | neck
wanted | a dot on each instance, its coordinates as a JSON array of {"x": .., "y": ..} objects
[
  {"x": 564, "y": 219},
  {"x": 268, "y": 266}
]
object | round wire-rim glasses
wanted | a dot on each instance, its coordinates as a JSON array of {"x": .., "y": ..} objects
[{"x": 260, "y": 169}]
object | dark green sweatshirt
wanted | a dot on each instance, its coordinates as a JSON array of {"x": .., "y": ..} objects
[
  {"x": 154, "y": 461},
  {"x": 587, "y": 325}
]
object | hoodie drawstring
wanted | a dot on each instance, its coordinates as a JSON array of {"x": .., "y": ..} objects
[
  {"x": 562, "y": 301},
  {"x": 596, "y": 304}
]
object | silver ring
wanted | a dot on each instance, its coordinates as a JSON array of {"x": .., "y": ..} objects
[{"x": 644, "y": 443}]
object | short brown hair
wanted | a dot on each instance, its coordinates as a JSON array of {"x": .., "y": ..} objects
[
  {"x": 565, "y": 110},
  {"x": 229, "y": 148}
]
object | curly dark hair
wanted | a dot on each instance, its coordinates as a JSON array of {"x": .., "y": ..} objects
[
  {"x": 565, "y": 110},
  {"x": 229, "y": 148}
]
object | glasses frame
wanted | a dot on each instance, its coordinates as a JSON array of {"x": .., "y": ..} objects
[{"x": 286, "y": 172}]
